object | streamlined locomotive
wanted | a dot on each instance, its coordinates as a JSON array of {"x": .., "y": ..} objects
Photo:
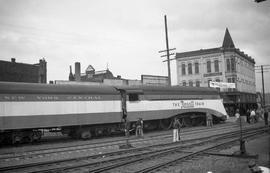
[{"x": 82, "y": 111}]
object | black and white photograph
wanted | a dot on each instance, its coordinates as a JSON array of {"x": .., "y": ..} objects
[{"x": 125, "y": 86}]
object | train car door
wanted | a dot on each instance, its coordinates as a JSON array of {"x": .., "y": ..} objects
[{"x": 128, "y": 95}]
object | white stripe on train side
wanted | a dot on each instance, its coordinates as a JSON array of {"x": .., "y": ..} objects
[
  {"x": 81, "y": 107},
  {"x": 58, "y": 107}
]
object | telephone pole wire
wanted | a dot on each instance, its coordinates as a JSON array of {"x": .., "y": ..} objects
[{"x": 262, "y": 70}]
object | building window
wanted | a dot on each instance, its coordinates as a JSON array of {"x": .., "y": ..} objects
[
  {"x": 196, "y": 68},
  {"x": 189, "y": 68},
  {"x": 228, "y": 65},
  {"x": 233, "y": 80},
  {"x": 183, "y": 69},
  {"x": 197, "y": 83},
  {"x": 190, "y": 83},
  {"x": 216, "y": 66},
  {"x": 208, "y": 66},
  {"x": 233, "y": 65},
  {"x": 184, "y": 83}
]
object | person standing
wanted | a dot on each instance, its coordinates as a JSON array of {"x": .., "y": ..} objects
[
  {"x": 176, "y": 129},
  {"x": 139, "y": 127},
  {"x": 209, "y": 120},
  {"x": 265, "y": 117},
  {"x": 259, "y": 113},
  {"x": 179, "y": 130},
  {"x": 248, "y": 116},
  {"x": 252, "y": 116},
  {"x": 237, "y": 115}
]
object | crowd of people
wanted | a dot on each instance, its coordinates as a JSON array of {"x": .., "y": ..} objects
[
  {"x": 176, "y": 125},
  {"x": 253, "y": 115}
]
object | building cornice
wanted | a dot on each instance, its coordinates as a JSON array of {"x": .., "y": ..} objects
[{"x": 212, "y": 51}]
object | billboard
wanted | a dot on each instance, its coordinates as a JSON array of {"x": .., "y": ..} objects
[
  {"x": 221, "y": 84},
  {"x": 154, "y": 80}
]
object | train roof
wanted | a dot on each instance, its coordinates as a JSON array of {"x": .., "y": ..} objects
[
  {"x": 37, "y": 88},
  {"x": 169, "y": 90}
]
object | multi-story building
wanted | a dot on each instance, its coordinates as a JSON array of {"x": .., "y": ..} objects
[
  {"x": 21, "y": 72},
  {"x": 222, "y": 64}
]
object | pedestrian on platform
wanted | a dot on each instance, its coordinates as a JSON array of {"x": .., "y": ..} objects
[
  {"x": 176, "y": 129},
  {"x": 265, "y": 117},
  {"x": 252, "y": 116},
  {"x": 179, "y": 130},
  {"x": 209, "y": 120},
  {"x": 237, "y": 115},
  {"x": 248, "y": 116},
  {"x": 139, "y": 127},
  {"x": 259, "y": 113}
]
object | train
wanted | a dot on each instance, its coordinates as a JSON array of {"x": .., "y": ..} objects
[{"x": 83, "y": 111}]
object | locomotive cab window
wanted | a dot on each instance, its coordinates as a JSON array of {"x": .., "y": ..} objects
[{"x": 133, "y": 97}]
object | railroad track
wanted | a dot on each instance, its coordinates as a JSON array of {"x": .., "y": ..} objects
[
  {"x": 59, "y": 139},
  {"x": 117, "y": 159},
  {"x": 94, "y": 146},
  {"x": 168, "y": 156},
  {"x": 157, "y": 167}
]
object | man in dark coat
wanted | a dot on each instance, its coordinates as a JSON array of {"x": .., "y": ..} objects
[{"x": 265, "y": 117}]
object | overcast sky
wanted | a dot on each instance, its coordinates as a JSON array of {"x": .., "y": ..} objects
[{"x": 127, "y": 35}]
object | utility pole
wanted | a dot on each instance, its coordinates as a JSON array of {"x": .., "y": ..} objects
[
  {"x": 262, "y": 70},
  {"x": 167, "y": 51},
  {"x": 263, "y": 86}
]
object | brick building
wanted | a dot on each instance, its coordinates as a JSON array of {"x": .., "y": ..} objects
[
  {"x": 11, "y": 71},
  {"x": 90, "y": 75},
  {"x": 106, "y": 77}
]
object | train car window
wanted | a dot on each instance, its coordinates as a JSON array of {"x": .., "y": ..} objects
[{"x": 133, "y": 97}]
